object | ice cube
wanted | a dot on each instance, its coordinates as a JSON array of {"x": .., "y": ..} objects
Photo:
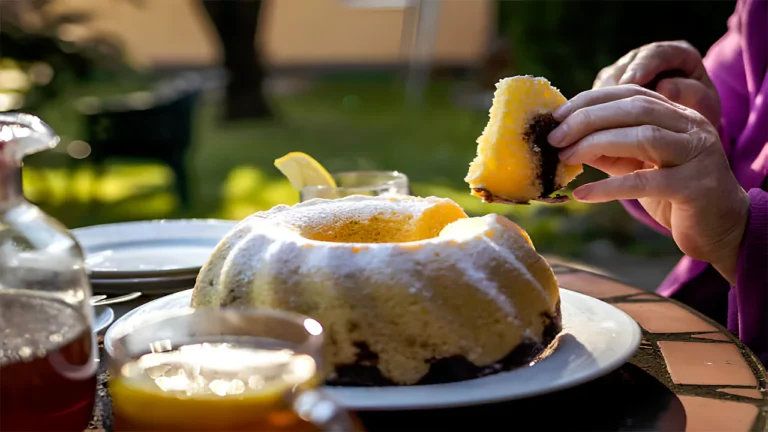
[{"x": 157, "y": 371}]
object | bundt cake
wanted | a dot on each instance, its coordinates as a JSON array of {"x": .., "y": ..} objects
[
  {"x": 409, "y": 290},
  {"x": 515, "y": 162}
]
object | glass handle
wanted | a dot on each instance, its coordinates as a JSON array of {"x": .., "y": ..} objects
[{"x": 324, "y": 413}]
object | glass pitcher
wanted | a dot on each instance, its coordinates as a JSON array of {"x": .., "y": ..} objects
[{"x": 48, "y": 352}]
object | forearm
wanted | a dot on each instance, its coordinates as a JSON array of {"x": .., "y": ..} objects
[
  {"x": 730, "y": 247},
  {"x": 751, "y": 275}
]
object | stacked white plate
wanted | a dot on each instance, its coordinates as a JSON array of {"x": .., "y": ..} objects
[{"x": 154, "y": 257}]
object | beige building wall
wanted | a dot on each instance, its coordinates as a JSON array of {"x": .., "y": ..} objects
[{"x": 294, "y": 31}]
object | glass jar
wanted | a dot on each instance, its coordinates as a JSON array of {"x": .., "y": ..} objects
[
  {"x": 368, "y": 183},
  {"x": 48, "y": 352},
  {"x": 217, "y": 369}
]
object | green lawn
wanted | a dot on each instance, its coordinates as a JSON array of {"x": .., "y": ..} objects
[{"x": 344, "y": 123}]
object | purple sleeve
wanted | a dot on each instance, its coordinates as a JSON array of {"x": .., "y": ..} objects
[
  {"x": 724, "y": 63},
  {"x": 748, "y": 308}
]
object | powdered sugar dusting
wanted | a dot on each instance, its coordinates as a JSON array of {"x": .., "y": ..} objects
[
  {"x": 325, "y": 212},
  {"x": 460, "y": 293}
]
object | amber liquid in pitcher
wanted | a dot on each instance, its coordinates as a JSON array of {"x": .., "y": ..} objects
[{"x": 47, "y": 366}]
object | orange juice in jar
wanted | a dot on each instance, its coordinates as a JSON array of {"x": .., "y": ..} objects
[{"x": 221, "y": 370}]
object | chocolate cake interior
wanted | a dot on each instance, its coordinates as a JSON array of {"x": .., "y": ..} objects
[
  {"x": 364, "y": 373},
  {"x": 536, "y": 135}
]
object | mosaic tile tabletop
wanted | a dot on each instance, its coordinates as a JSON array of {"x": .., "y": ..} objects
[{"x": 690, "y": 374}]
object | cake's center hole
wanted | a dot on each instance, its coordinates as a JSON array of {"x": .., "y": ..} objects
[
  {"x": 383, "y": 227},
  {"x": 536, "y": 134}
]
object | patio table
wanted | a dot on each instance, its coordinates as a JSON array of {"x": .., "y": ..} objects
[{"x": 689, "y": 374}]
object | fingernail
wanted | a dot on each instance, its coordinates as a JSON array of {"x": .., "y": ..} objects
[
  {"x": 557, "y": 136},
  {"x": 581, "y": 193},
  {"x": 560, "y": 112},
  {"x": 628, "y": 77},
  {"x": 566, "y": 154}
]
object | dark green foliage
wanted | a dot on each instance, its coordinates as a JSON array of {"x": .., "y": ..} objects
[
  {"x": 100, "y": 56},
  {"x": 569, "y": 41}
]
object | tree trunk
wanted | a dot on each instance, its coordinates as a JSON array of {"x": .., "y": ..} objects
[{"x": 236, "y": 22}]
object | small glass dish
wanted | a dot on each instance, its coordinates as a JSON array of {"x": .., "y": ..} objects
[{"x": 212, "y": 369}]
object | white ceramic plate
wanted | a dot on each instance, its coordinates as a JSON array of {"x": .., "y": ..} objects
[
  {"x": 597, "y": 339},
  {"x": 153, "y": 286},
  {"x": 150, "y": 249},
  {"x": 102, "y": 317}
]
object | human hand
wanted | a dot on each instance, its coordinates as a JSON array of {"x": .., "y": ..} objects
[
  {"x": 688, "y": 83},
  {"x": 667, "y": 156}
]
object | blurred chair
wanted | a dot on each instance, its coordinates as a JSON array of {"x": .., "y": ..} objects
[{"x": 156, "y": 124}]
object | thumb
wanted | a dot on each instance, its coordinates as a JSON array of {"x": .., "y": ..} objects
[{"x": 693, "y": 94}]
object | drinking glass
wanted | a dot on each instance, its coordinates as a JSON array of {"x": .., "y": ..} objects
[
  {"x": 47, "y": 347},
  {"x": 215, "y": 369},
  {"x": 370, "y": 183}
]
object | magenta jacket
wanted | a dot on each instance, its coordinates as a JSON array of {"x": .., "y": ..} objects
[{"x": 738, "y": 65}]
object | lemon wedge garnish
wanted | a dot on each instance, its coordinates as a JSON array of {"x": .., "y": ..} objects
[{"x": 302, "y": 170}]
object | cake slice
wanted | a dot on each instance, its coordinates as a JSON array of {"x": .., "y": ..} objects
[{"x": 515, "y": 162}]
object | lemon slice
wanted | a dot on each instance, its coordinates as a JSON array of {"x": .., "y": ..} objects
[{"x": 303, "y": 170}]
